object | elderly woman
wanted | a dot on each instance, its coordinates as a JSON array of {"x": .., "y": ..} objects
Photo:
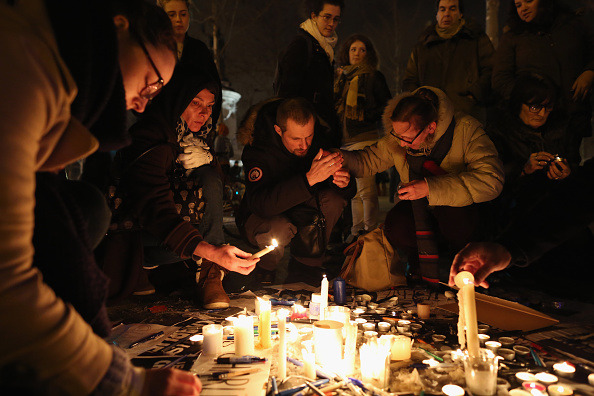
[
  {"x": 361, "y": 93},
  {"x": 547, "y": 39}
]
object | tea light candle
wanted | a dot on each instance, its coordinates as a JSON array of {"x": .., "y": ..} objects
[
  {"x": 264, "y": 328},
  {"x": 380, "y": 310},
  {"x": 406, "y": 316},
  {"x": 358, "y": 311},
  {"x": 493, "y": 345},
  {"x": 282, "y": 314},
  {"x": 465, "y": 282},
  {"x": 369, "y": 326},
  {"x": 533, "y": 386},
  {"x": 526, "y": 376},
  {"x": 423, "y": 311},
  {"x": 483, "y": 328},
  {"x": 564, "y": 369},
  {"x": 266, "y": 250},
  {"x": 483, "y": 338},
  {"x": 403, "y": 325},
  {"x": 384, "y": 327},
  {"x": 372, "y": 305},
  {"x": 243, "y": 328},
  {"x": 519, "y": 392},
  {"x": 369, "y": 335},
  {"x": 360, "y": 322},
  {"x": 546, "y": 378},
  {"x": 560, "y": 390},
  {"x": 591, "y": 379},
  {"x": 438, "y": 338},
  {"x": 212, "y": 343},
  {"x": 452, "y": 390},
  {"x": 197, "y": 339},
  {"x": 324, "y": 300},
  {"x": 401, "y": 348},
  {"x": 416, "y": 327}
]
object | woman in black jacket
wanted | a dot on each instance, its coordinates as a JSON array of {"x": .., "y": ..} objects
[{"x": 361, "y": 93}]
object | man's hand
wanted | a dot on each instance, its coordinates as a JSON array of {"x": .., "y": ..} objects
[
  {"x": 480, "y": 259},
  {"x": 537, "y": 161},
  {"x": 341, "y": 178},
  {"x": 414, "y": 190},
  {"x": 227, "y": 256},
  {"x": 581, "y": 86},
  {"x": 323, "y": 166},
  {"x": 170, "y": 382}
]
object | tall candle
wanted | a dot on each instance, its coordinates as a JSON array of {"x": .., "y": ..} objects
[
  {"x": 350, "y": 347},
  {"x": 266, "y": 250},
  {"x": 243, "y": 329},
  {"x": 324, "y": 300},
  {"x": 309, "y": 363},
  {"x": 212, "y": 343},
  {"x": 465, "y": 282},
  {"x": 264, "y": 324},
  {"x": 375, "y": 364},
  {"x": 281, "y": 314}
]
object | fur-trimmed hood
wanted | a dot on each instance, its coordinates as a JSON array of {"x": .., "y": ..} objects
[
  {"x": 245, "y": 132},
  {"x": 445, "y": 112}
]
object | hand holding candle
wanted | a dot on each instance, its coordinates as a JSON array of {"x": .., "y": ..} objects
[{"x": 266, "y": 250}]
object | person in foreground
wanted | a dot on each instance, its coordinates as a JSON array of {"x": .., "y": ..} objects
[{"x": 46, "y": 346}]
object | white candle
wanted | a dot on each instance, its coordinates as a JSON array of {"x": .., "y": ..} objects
[
  {"x": 560, "y": 390},
  {"x": 309, "y": 364},
  {"x": 324, "y": 300},
  {"x": 465, "y": 282},
  {"x": 452, "y": 390},
  {"x": 264, "y": 331},
  {"x": 243, "y": 329},
  {"x": 375, "y": 364},
  {"x": 266, "y": 250},
  {"x": 564, "y": 369},
  {"x": 525, "y": 376},
  {"x": 212, "y": 343},
  {"x": 401, "y": 347},
  {"x": 546, "y": 378},
  {"x": 282, "y": 314},
  {"x": 350, "y": 347},
  {"x": 327, "y": 337}
]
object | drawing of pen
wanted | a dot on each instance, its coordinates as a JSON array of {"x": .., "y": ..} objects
[{"x": 147, "y": 338}]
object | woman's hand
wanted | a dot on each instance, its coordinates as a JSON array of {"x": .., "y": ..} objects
[
  {"x": 581, "y": 86},
  {"x": 416, "y": 189},
  {"x": 558, "y": 170},
  {"x": 170, "y": 382},
  {"x": 537, "y": 161}
]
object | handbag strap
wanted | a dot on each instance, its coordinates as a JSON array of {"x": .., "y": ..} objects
[{"x": 356, "y": 247}]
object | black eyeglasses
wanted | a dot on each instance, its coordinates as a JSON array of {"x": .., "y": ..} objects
[
  {"x": 536, "y": 108},
  {"x": 408, "y": 141},
  {"x": 327, "y": 18},
  {"x": 151, "y": 90}
]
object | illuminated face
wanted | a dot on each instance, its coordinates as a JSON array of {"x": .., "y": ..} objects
[
  {"x": 527, "y": 9},
  {"x": 357, "y": 52},
  {"x": 178, "y": 12},
  {"x": 535, "y": 115},
  {"x": 199, "y": 110},
  {"x": 297, "y": 138},
  {"x": 448, "y": 13},
  {"x": 327, "y": 20},
  {"x": 409, "y": 136}
]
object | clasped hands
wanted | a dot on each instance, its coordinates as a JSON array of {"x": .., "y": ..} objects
[
  {"x": 325, "y": 165},
  {"x": 556, "y": 170},
  {"x": 196, "y": 152}
]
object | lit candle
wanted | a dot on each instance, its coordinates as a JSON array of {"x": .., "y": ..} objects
[
  {"x": 533, "y": 387},
  {"x": 452, "y": 390},
  {"x": 282, "y": 314},
  {"x": 401, "y": 347},
  {"x": 525, "y": 376},
  {"x": 264, "y": 330},
  {"x": 465, "y": 282},
  {"x": 483, "y": 338},
  {"x": 324, "y": 300},
  {"x": 375, "y": 364},
  {"x": 546, "y": 378},
  {"x": 266, "y": 250},
  {"x": 350, "y": 347},
  {"x": 309, "y": 364},
  {"x": 560, "y": 390},
  {"x": 564, "y": 369},
  {"x": 212, "y": 343},
  {"x": 327, "y": 337},
  {"x": 243, "y": 329}
]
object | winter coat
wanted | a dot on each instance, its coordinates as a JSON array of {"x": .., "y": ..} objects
[
  {"x": 561, "y": 52},
  {"x": 147, "y": 180},
  {"x": 377, "y": 95},
  {"x": 475, "y": 173},
  {"x": 305, "y": 70},
  {"x": 275, "y": 178},
  {"x": 459, "y": 66},
  {"x": 42, "y": 336}
]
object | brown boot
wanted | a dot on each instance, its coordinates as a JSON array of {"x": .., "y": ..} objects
[{"x": 210, "y": 286}]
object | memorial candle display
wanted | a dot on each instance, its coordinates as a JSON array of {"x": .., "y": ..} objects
[
  {"x": 243, "y": 330},
  {"x": 266, "y": 250},
  {"x": 282, "y": 314},
  {"x": 264, "y": 329},
  {"x": 467, "y": 321}
]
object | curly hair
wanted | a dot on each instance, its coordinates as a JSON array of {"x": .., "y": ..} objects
[
  {"x": 370, "y": 56},
  {"x": 316, "y": 6}
]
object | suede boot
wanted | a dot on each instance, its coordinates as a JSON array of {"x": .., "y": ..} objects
[{"x": 210, "y": 291}]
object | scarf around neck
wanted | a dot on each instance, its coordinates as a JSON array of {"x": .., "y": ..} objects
[
  {"x": 327, "y": 43},
  {"x": 351, "y": 88},
  {"x": 449, "y": 32}
]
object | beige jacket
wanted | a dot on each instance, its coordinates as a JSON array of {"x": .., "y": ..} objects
[
  {"x": 38, "y": 331},
  {"x": 475, "y": 173}
]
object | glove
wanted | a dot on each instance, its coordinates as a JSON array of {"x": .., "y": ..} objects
[
  {"x": 195, "y": 156},
  {"x": 190, "y": 140}
]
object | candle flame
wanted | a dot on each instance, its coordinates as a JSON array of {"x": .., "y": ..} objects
[
  {"x": 197, "y": 337},
  {"x": 274, "y": 243}
]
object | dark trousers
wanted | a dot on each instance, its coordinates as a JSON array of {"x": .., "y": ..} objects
[
  {"x": 454, "y": 228},
  {"x": 260, "y": 231}
]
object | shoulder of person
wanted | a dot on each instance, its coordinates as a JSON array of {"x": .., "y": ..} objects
[{"x": 468, "y": 123}]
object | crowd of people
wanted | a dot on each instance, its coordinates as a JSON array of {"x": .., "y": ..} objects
[{"x": 485, "y": 142}]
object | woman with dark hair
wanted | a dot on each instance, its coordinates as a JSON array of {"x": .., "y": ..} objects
[
  {"x": 306, "y": 67},
  {"x": 361, "y": 93},
  {"x": 530, "y": 136},
  {"x": 548, "y": 39}
]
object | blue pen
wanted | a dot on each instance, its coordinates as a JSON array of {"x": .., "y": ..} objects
[
  {"x": 292, "y": 391},
  {"x": 274, "y": 386}
]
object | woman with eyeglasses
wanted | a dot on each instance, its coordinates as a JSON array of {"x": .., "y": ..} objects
[
  {"x": 361, "y": 93},
  {"x": 547, "y": 38},
  {"x": 306, "y": 67}
]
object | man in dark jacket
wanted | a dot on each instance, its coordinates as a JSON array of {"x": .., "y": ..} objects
[
  {"x": 285, "y": 167},
  {"x": 455, "y": 56}
]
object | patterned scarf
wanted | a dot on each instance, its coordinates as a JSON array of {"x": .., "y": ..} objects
[
  {"x": 350, "y": 87},
  {"x": 182, "y": 130},
  {"x": 327, "y": 43}
]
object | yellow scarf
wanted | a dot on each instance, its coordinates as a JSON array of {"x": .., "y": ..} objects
[
  {"x": 448, "y": 33},
  {"x": 348, "y": 85}
]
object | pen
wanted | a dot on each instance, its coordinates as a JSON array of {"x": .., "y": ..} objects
[
  {"x": 170, "y": 364},
  {"x": 536, "y": 358},
  {"x": 288, "y": 392},
  {"x": 147, "y": 338},
  {"x": 314, "y": 388},
  {"x": 240, "y": 360},
  {"x": 434, "y": 356}
]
